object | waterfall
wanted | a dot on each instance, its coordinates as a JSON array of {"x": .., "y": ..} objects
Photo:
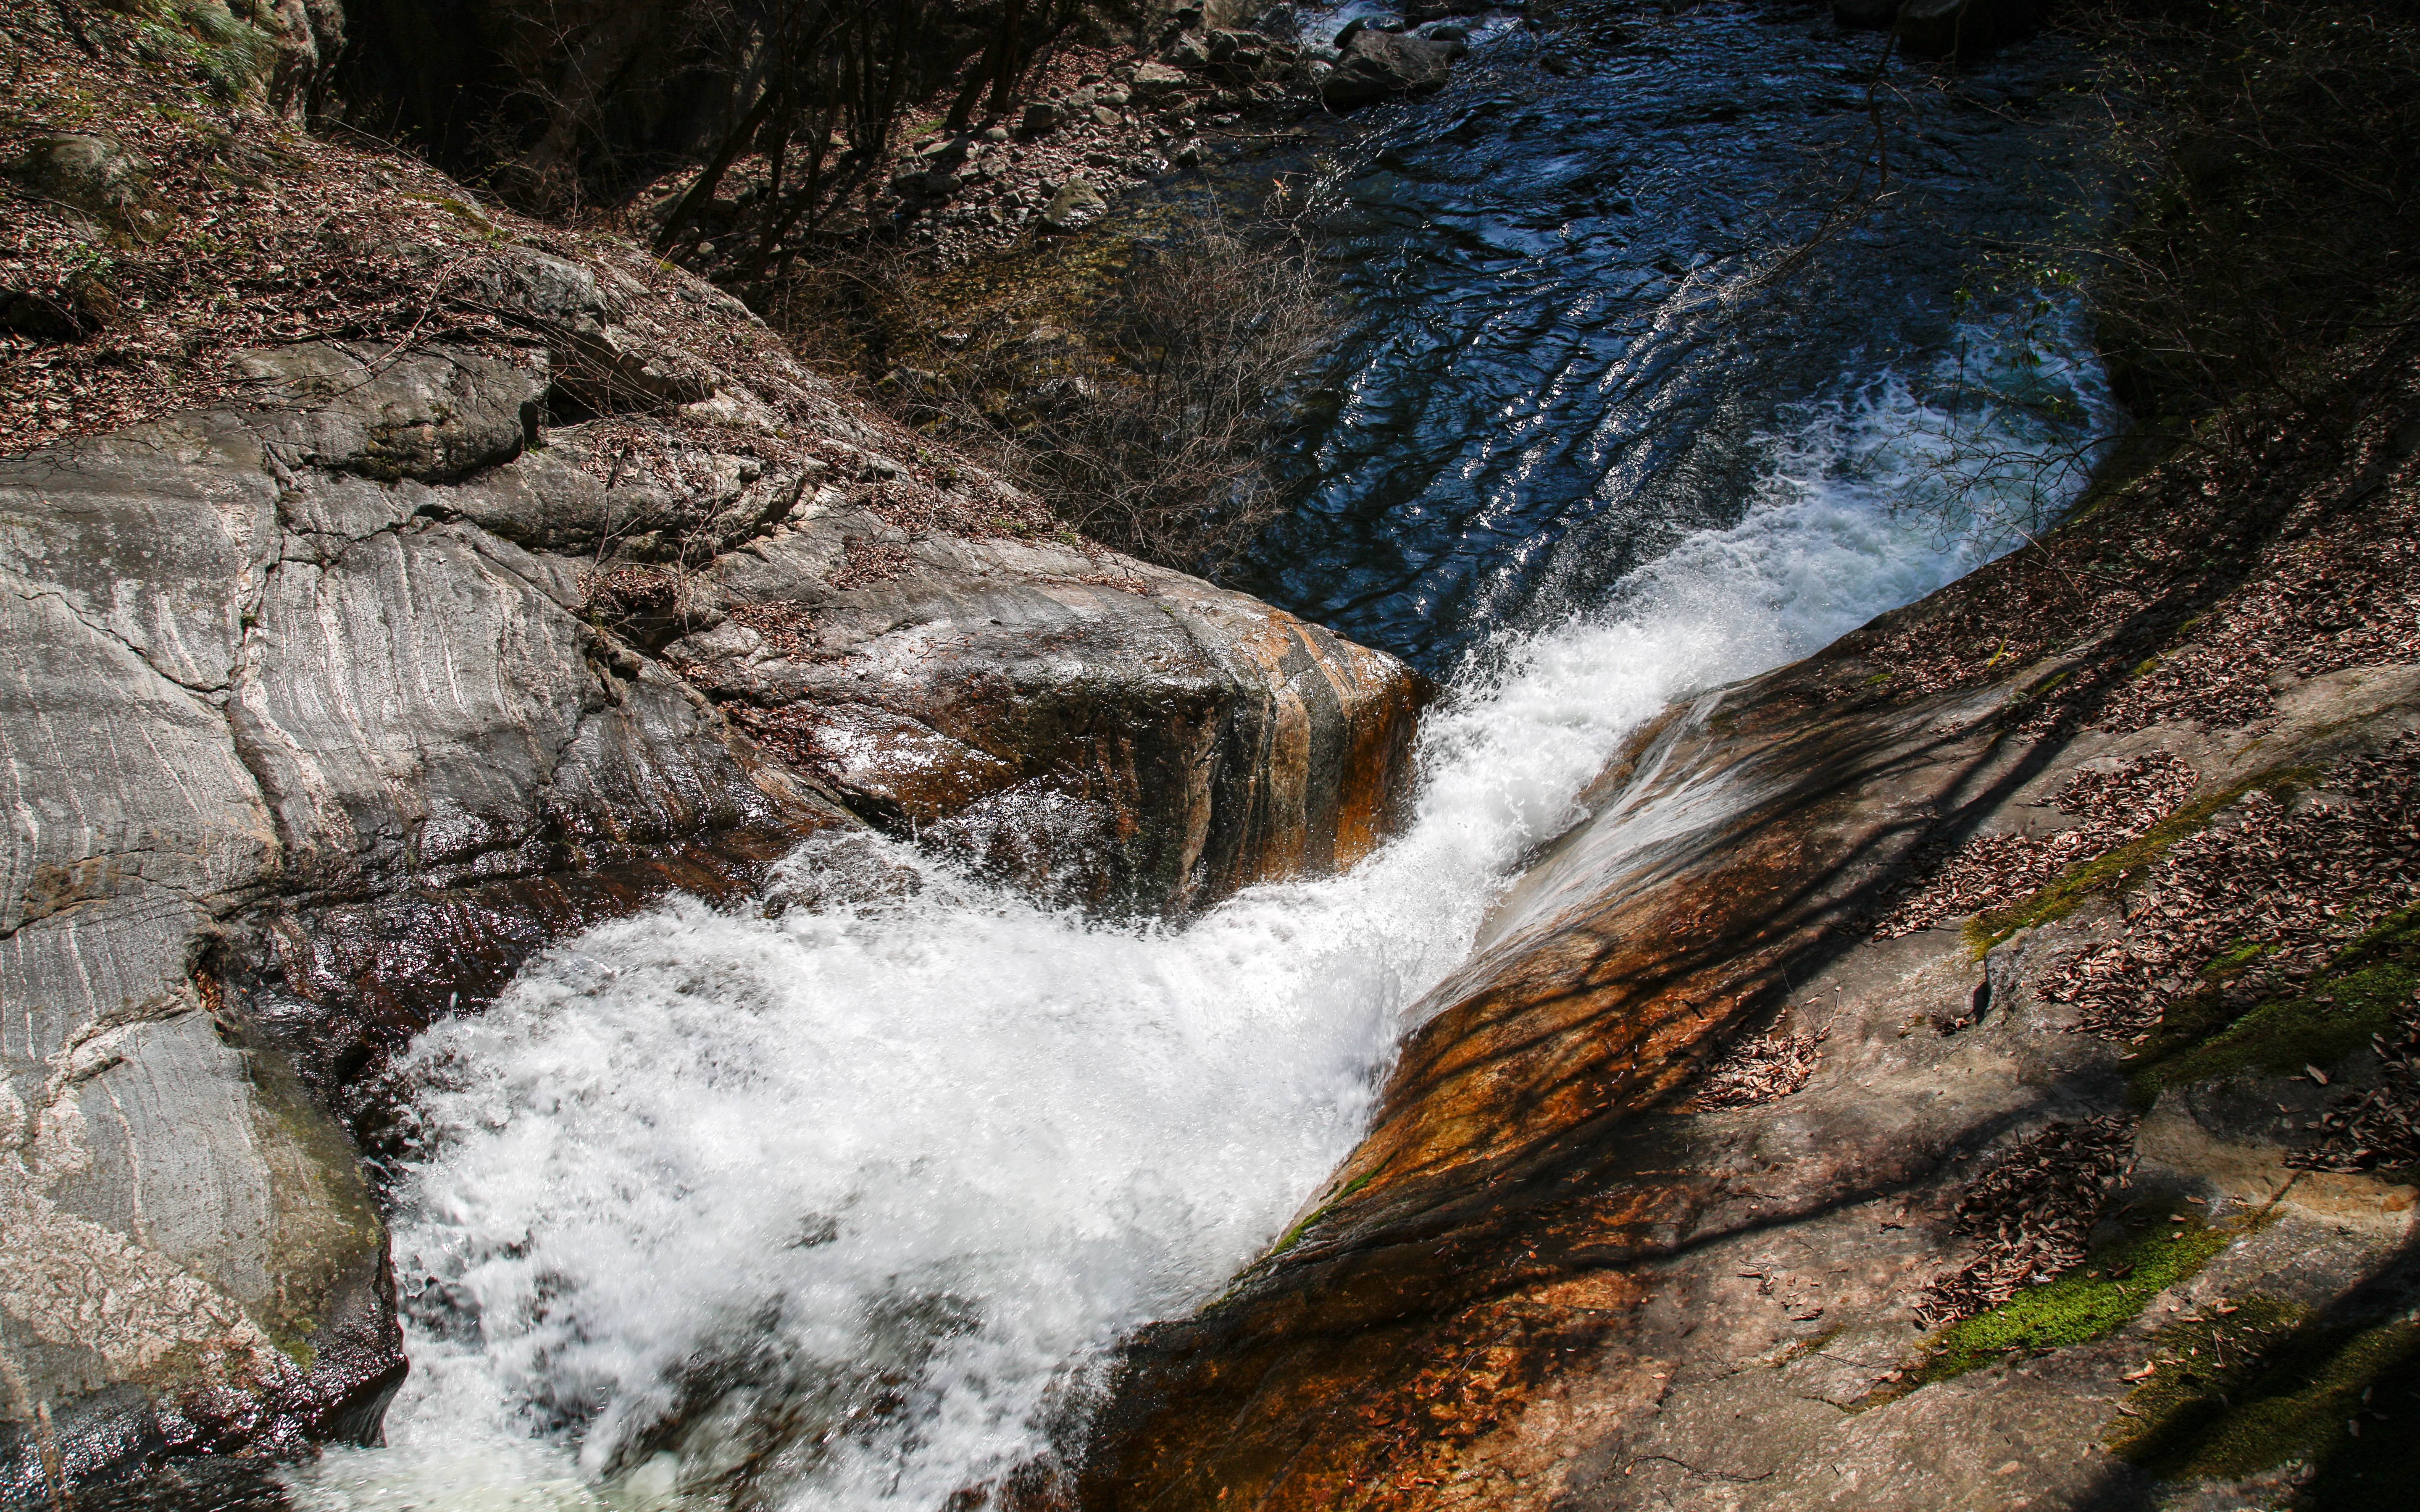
[{"x": 837, "y": 1197}]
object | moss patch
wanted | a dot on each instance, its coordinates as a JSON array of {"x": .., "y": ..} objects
[
  {"x": 2270, "y": 1382},
  {"x": 2114, "y": 868},
  {"x": 2113, "y": 1285},
  {"x": 1293, "y": 1236},
  {"x": 2329, "y": 1017}
]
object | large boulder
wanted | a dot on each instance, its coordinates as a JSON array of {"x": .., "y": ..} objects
[
  {"x": 1964, "y": 28},
  {"x": 1378, "y": 63},
  {"x": 1076, "y": 205},
  {"x": 1109, "y": 733},
  {"x": 1157, "y": 83},
  {"x": 96, "y": 177},
  {"x": 269, "y": 700},
  {"x": 324, "y": 712}
]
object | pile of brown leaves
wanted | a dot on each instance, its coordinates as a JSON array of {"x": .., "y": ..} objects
[
  {"x": 2321, "y": 603},
  {"x": 2030, "y": 1212},
  {"x": 257, "y": 233},
  {"x": 1758, "y": 1069},
  {"x": 1995, "y": 870},
  {"x": 2379, "y": 1126},
  {"x": 865, "y": 561},
  {"x": 788, "y": 625},
  {"x": 2278, "y": 888}
]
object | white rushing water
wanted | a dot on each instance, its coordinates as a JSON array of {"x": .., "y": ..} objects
[{"x": 855, "y": 1187}]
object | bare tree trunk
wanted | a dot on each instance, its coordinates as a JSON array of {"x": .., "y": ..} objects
[
  {"x": 702, "y": 192},
  {"x": 1006, "y": 63}
]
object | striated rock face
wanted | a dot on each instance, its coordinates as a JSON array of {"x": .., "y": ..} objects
[
  {"x": 257, "y": 697},
  {"x": 1846, "y": 1015},
  {"x": 321, "y": 716}
]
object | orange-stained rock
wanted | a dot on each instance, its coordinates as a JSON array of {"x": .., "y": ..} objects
[
  {"x": 1484, "y": 1233},
  {"x": 1099, "y": 730},
  {"x": 1551, "y": 1277}
]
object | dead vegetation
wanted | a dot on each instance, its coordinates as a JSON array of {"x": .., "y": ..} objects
[
  {"x": 250, "y": 233},
  {"x": 235, "y": 229},
  {"x": 1993, "y": 870},
  {"x": 2195, "y": 590},
  {"x": 2257, "y": 311},
  {"x": 1758, "y": 1069},
  {"x": 2330, "y": 600},
  {"x": 243, "y": 231},
  {"x": 2029, "y": 1215},
  {"x": 2266, "y": 148},
  {"x": 2262, "y": 899},
  {"x": 787, "y": 626},
  {"x": 224, "y": 228},
  {"x": 1148, "y": 421},
  {"x": 2378, "y": 1125},
  {"x": 576, "y": 101}
]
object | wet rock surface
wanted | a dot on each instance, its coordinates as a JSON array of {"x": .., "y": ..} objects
[
  {"x": 1107, "y": 732},
  {"x": 1725, "y": 1124}
]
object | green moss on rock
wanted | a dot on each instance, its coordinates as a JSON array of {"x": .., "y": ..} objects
[
  {"x": 2268, "y": 1383},
  {"x": 2112, "y": 1287},
  {"x": 2329, "y": 1017},
  {"x": 231, "y": 56},
  {"x": 2114, "y": 868}
]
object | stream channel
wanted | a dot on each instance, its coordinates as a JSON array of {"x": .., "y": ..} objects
[{"x": 841, "y": 1205}]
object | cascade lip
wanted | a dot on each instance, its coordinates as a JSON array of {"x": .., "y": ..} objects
[{"x": 1558, "y": 715}]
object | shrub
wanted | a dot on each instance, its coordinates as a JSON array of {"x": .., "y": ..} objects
[{"x": 2271, "y": 154}]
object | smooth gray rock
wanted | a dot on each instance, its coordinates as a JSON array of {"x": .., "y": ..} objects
[
  {"x": 179, "y": 1224},
  {"x": 1157, "y": 83},
  {"x": 251, "y": 670},
  {"x": 1378, "y": 63},
  {"x": 433, "y": 417}
]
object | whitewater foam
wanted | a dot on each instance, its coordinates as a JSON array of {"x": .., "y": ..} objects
[{"x": 831, "y": 1203}]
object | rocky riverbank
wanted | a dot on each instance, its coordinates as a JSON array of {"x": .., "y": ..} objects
[
  {"x": 360, "y": 646},
  {"x": 1973, "y": 1066},
  {"x": 1099, "y": 122},
  {"x": 1969, "y": 1068}
]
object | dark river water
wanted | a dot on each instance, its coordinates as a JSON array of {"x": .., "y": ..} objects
[{"x": 1575, "y": 303}]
